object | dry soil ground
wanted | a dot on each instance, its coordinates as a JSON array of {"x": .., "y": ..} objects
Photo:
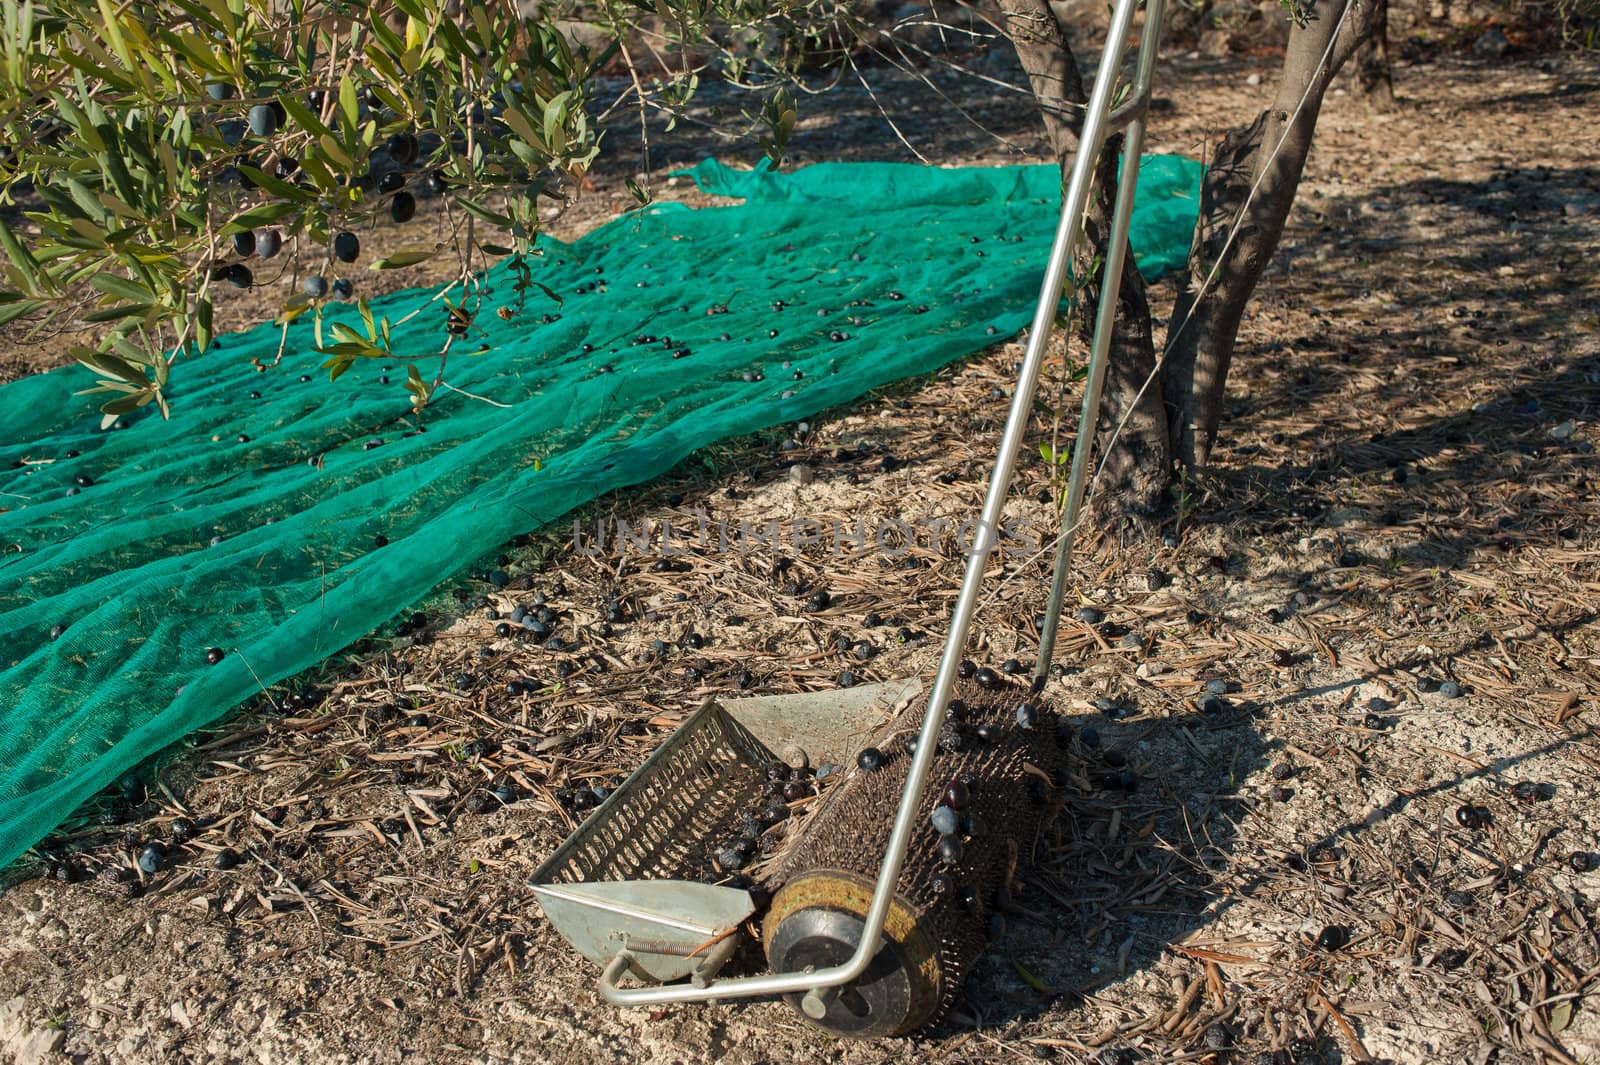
[{"x": 1406, "y": 497}]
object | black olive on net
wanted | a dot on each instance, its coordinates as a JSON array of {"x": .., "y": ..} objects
[
  {"x": 966, "y": 669},
  {"x": 989, "y": 733},
  {"x": 957, "y": 795},
  {"x": 794, "y": 791},
  {"x": 988, "y": 679},
  {"x": 870, "y": 760}
]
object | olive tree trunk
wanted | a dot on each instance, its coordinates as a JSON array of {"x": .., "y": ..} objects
[
  {"x": 1166, "y": 411},
  {"x": 1374, "y": 76},
  {"x": 1138, "y": 468},
  {"x": 1244, "y": 202}
]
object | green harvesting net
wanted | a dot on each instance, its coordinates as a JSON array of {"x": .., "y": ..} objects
[{"x": 280, "y": 517}]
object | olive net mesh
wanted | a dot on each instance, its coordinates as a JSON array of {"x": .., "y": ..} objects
[{"x": 279, "y": 517}]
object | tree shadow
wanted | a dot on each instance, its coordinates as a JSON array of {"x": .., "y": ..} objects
[
  {"x": 1126, "y": 869},
  {"x": 1463, "y": 429}
]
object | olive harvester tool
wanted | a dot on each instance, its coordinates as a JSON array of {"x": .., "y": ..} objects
[{"x": 871, "y": 912}]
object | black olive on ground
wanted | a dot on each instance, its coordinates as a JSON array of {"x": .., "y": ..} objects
[
  {"x": 1469, "y": 816},
  {"x": 1374, "y": 723},
  {"x": 1090, "y": 615},
  {"x": 181, "y": 829},
  {"x": 870, "y": 760},
  {"x": 226, "y": 858},
  {"x": 872, "y": 620},
  {"x": 1580, "y": 861},
  {"x": 1333, "y": 937},
  {"x": 152, "y": 857},
  {"x": 819, "y": 601},
  {"x": 1282, "y": 658},
  {"x": 1013, "y": 666},
  {"x": 966, "y": 669}
]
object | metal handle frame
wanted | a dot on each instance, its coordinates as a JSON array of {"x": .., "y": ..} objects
[{"x": 1100, "y": 121}]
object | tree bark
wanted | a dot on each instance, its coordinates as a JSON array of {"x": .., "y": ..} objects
[
  {"x": 1138, "y": 460},
  {"x": 1267, "y": 156}
]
